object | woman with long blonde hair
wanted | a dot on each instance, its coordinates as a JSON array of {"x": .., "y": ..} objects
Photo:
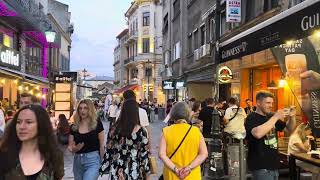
[{"x": 86, "y": 141}]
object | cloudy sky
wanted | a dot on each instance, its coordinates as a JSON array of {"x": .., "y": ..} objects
[{"x": 97, "y": 23}]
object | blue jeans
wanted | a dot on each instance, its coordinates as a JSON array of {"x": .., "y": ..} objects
[
  {"x": 86, "y": 166},
  {"x": 265, "y": 174}
]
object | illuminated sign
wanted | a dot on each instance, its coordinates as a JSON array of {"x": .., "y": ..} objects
[
  {"x": 9, "y": 57},
  {"x": 225, "y": 74}
]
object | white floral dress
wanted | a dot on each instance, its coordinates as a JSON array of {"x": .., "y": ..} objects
[{"x": 126, "y": 158}]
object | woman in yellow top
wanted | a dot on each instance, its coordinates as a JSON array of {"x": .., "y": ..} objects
[{"x": 185, "y": 164}]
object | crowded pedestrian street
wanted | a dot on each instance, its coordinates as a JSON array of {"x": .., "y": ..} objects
[{"x": 159, "y": 90}]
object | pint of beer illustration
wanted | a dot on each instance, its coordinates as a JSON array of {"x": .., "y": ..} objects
[{"x": 295, "y": 65}]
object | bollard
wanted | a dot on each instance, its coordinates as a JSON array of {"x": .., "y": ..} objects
[
  {"x": 243, "y": 167},
  {"x": 214, "y": 168}
]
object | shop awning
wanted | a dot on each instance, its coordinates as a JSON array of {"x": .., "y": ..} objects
[
  {"x": 129, "y": 87},
  {"x": 24, "y": 76},
  {"x": 295, "y": 23}
]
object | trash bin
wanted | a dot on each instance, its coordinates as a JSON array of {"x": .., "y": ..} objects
[{"x": 234, "y": 162}]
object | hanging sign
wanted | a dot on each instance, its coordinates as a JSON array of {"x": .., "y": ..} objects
[
  {"x": 225, "y": 74},
  {"x": 233, "y": 11}
]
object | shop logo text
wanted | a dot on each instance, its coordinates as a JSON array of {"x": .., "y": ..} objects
[
  {"x": 235, "y": 51},
  {"x": 8, "y": 57},
  {"x": 309, "y": 22}
]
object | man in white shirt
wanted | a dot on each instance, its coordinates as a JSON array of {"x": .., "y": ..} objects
[
  {"x": 234, "y": 118},
  {"x": 112, "y": 112},
  {"x": 107, "y": 104}
]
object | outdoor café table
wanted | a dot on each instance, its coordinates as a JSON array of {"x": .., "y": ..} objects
[{"x": 304, "y": 157}]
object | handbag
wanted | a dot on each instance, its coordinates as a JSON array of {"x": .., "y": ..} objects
[
  {"x": 161, "y": 177},
  {"x": 153, "y": 165}
]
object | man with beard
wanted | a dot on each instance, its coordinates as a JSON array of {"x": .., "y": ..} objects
[{"x": 261, "y": 129}]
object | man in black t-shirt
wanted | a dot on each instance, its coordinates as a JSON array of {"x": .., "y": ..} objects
[
  {"x": 205, "y": 116},
  {"x": 261, "y": 128}
]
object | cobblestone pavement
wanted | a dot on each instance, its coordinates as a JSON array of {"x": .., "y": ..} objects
[{"x": 156, "y": 128}]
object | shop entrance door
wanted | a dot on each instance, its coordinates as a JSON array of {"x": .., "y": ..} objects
[{"x": 224, "y": 92}]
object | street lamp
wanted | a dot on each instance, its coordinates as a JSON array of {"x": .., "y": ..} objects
[{"x": 50, "y": 36}]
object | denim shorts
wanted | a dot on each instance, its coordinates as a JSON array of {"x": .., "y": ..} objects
[
  {"x": 86, "y": 166},
  {"x": 265, "y": 174}
]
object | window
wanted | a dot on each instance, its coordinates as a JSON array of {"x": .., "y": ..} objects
[
  {"x": 146, "y": 45},
  {"x": 177, "y": 50},
  {"x": 190, "y": 48},
  {"x": 165, "y": 23},
  {"x": 33, "y": 61},
  {"x": 212, "y": 29},
  {"x": 294, "y": 2},
  {"x": 146, "y": 19},
  {"x": 136, "y": 24},
  {"x": 176, "y": 8},
  {"x": 166, "y": 58},
  {"x": 195, "y": 40},
  {"x": 270, "y": 4},
  {"x": 148, "y": 71},
  {"x": 203, "y": 35}
]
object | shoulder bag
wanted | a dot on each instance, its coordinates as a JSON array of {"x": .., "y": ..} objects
[{"x": 161, "y": 177}]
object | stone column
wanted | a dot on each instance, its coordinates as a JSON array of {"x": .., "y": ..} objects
[{"x": 140, "y": 81}]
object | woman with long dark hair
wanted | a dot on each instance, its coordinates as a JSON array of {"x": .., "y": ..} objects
[
  {"x": 29, "y": 149},
  {"x": 86, "y": 141},
  {"x": 127, "y": 149},
  {"x": 63, "y": 130}
]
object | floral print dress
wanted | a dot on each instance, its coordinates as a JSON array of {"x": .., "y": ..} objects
[{"x": 126, "y": 158}]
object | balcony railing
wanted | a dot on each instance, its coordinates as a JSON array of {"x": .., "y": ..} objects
[
  {"x": 130, "y": 59},
  {"x": 32, "y": 12}
]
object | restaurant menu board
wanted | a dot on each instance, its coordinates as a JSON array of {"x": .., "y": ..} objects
[{"x": 300, "y": 63}]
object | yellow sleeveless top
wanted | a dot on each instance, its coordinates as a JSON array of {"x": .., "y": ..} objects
[{"x": 187, "y": 152}]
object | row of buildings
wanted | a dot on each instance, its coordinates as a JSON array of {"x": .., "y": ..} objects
[
  {"x": 35, "y": 44},
  {"x": 178, "y": 49}
]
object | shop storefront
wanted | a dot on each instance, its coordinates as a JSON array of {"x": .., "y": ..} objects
[
  {"x": 23, "y": 64},
  {"x": 281, "y": 55}
]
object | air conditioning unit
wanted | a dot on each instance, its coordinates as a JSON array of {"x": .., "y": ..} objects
[
  {"x": 205, "y": 50},
  {"x": 196, "y": 55}
]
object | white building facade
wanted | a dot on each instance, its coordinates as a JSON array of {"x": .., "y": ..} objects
[{"x": 144, "y": 45}]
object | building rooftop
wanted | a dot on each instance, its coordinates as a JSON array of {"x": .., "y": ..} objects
[
  {"x": 123, "y": 33},
  {"x": 101, "y": 78}
]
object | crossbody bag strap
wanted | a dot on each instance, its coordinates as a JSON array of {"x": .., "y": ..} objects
[
  {"x": 181, "y": 142},
  {"x": 235, "y": 114}
]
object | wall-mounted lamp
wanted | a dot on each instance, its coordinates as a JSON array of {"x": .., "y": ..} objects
[
  {"x": 272, "y": 85},
  {"x": 282, "y": 82}
]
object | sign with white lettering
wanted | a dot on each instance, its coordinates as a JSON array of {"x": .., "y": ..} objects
[
  {"x": 233, "y": 11},
  {"x": 294, "y": 26},
  {"x": 168, "y": 85},
  {"x": 179, "y": 84},
  {"x": 66, "y": 77},
  {"x": 10, "y": 58}
]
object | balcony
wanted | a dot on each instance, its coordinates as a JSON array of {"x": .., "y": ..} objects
[
  {"x": 29, "y": 15},
  {"x": 133, "y": 35},
  {"x": 133, "y": 81},
  {"x": 128, "y": 60},
  {"x": 143, "y": 58},
  {"x": 204, "y": 51}
]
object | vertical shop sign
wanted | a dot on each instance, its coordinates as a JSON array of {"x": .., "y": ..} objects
[{"x": 233, "y": 11}]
